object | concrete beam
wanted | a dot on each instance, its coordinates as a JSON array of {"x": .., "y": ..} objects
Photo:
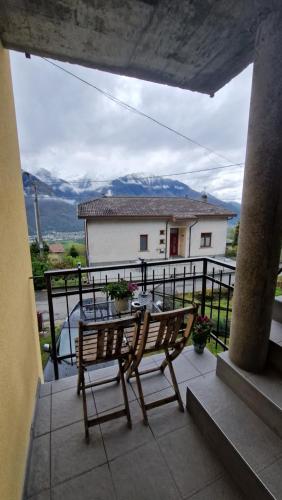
[{"x": 197, "y": 45}]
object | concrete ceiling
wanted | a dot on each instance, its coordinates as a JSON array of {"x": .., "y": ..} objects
[{"x": 193, "y": 44}]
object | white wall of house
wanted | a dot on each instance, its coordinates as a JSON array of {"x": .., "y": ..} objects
[
  {"x": 112, "y": 241},
  {"x": 218, "y": 229},
  {"x": 119, "y": 240}
]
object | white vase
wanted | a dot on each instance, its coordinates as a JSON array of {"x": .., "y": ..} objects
[{"x": 121, "y": 305}]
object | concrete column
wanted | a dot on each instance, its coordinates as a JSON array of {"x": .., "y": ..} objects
[{"x": 261, "y": 218}]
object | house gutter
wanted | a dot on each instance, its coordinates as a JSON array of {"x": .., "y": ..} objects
[{"x": 190, "y": 231}]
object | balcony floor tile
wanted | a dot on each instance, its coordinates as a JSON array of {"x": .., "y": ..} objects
[
  {"x": 44, "y": 495},
  {"x": 39, "y": 477},
  {"x": 71, "y": 456},
  {"x": 151, "y": 383},
  {"x": 110, "y": 396},
  {"x": 142, "y": 474},
  {"x": 67, "y": 407},
  {"x": 43, "y": 416},
  {"x": 119, "y": 439},
  {"x": 189, "y": 460},
  {"x": 95, "y": 484},
  {"x": 221, "y": 489},
  {"x": 204, "y": 362}
]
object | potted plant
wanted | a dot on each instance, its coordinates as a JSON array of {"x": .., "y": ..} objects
[
  {"x": 201, "y": 330},
  {"x": 121, "y": 291}
]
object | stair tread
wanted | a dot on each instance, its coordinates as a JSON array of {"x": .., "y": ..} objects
[
  {"x": 276, "y": 332},
  {"x": 257, "y": 444},
  {"x": 268, "y": 382}
]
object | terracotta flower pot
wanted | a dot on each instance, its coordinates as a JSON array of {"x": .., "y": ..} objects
[{"x": 121, "y": 305}]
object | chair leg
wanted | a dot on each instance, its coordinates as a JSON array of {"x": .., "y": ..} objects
[
  {"x": 79, "y": 381},
  {"x": 129, "y": 373},
  {"x": 84, "y": 408},
  {"x": 174, "y": 381},
  {"x": 125, "y": 397},
  {"x": 173, "y": 356},
  {"x": 141, "y": 395}
]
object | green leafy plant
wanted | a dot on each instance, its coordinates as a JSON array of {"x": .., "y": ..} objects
[
  {"x": 73, "y": 252},
  {"x": 120, "y": 290},
  {"x": 201, "y": 330}
]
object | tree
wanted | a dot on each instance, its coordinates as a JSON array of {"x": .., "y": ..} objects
[
  {"x": 39, "y": 266},
  {"x": 236, "y": 235},
  {"x": 73, "y": 252},
  {"x": 35, "y": 250}
]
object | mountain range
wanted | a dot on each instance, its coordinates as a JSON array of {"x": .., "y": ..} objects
[{"x": 58, "y": 198}]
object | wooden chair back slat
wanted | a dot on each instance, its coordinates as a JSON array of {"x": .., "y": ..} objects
[
  {"x": 177, "y": 324},
  {"x": 110, "y": 341},
  {"x": 100, "y": 342},
  {"x": 119, "y": 340},
  {"x": 162, "y": 330},
  {"x": 189, "y": 324}
]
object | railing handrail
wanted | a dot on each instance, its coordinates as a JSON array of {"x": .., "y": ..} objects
[{"x": 138, "y": 265}]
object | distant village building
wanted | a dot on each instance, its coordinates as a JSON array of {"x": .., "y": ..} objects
[
  {"x": 122, "y": 229},
  {"x": 56, "y": 252}
]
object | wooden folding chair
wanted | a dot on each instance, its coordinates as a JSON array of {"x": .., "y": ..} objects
[
  {"x": 167, "y": 331},
  {"x": 99, "y": 343}
]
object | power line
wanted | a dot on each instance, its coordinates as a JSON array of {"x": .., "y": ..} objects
[
  {"x": 93, "y": 181},
  {"x": 137, "y": 111}
]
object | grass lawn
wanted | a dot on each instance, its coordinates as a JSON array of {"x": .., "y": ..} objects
[
  {"x": 44, "y": 339},
  {"x": 79, "y": 245}
]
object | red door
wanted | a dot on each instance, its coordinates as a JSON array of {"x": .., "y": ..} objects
[{"x": 173, "y": 242}]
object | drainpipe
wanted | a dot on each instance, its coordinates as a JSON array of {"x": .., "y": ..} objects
[
  {"x": 86, "y": 242},
  {"x": 166, "y": 224},
  {"x": 190, "y": 227}
]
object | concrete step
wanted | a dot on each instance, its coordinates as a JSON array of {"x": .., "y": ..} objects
[
  {"x": 277, "y": 309},
  {"x": 261, "y": 392},
  {"x": 276, "y": 332},
  {"x": 275, "y": 346},
  {"x": 275, "y": 356},
  {"x": 250, "y": 451}
]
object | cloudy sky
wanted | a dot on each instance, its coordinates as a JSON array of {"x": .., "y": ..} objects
[{"x": 72, "y": 130}]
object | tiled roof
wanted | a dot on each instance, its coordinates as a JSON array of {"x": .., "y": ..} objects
[
  {"x": 138, "y": 206},
  {"x": 56, "y": 248}
]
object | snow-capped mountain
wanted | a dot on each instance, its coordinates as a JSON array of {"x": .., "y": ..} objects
[{"x": 58, "y": 198}]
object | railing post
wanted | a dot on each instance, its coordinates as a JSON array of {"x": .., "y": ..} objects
[
  {"x": 145, "y": 276},
  {"x": 52, "y": 326},
  {"x": 79, "y": 284},
  {"x": 204, "y": 287}
]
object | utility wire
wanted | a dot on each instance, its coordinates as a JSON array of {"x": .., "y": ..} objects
[
  {"x": 137, "y": 111},
  {"x": 93, "y": 181}
]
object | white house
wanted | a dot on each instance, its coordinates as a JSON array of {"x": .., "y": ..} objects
[{"x": 122, "y": 229}]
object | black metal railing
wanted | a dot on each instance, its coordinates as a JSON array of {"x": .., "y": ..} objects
[{"x": 172, "y": 283}]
